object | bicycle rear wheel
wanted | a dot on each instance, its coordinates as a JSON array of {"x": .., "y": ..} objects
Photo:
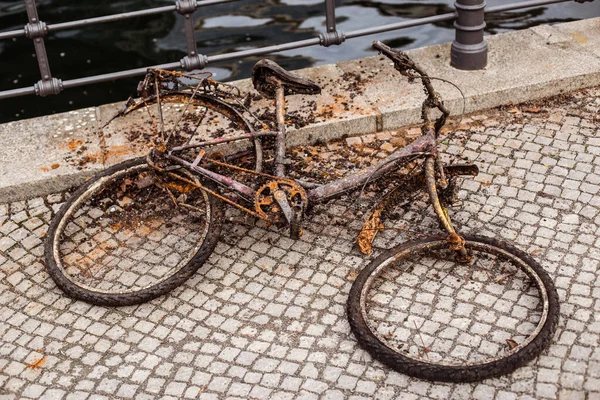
[
  {"x": 420, "y": 312},
  {"x": 131, "y": 234}
]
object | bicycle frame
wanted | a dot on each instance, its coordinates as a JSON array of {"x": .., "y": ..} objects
[{"x": 423, "y": 147}]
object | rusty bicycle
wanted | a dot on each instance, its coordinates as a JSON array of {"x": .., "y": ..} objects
[{"x": 448, "y": 307}]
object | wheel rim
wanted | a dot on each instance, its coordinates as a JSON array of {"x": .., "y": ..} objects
[
  {"x": 426, "y": 333},
  {"x": 115, "y": 243}
]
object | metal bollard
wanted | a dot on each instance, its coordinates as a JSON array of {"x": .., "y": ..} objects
[{"x": 469, "y": 49}]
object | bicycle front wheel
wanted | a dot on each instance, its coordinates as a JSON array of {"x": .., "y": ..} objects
[
  {"x": 131, "y": 234},
  {"x": 420, "y": 312}
]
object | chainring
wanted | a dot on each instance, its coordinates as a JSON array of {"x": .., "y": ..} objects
[{"x": 267, "y": 207}]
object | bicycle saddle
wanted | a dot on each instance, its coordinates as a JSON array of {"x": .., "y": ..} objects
[{"x": 266, "y": 75}]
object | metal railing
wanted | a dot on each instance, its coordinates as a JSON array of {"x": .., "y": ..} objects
[{"x": 469, "y": 50}]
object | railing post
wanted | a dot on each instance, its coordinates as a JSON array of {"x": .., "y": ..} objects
[
  {"x": 469, "y": 49},
  {"x": 36, "y": 30},
  {"x": 331, "y": 35},
  {"x": 193, "y": 60}
]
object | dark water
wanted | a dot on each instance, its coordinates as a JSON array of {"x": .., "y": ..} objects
[{"x": 224, "y": 28}]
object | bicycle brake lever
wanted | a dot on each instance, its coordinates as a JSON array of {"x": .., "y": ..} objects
[
  {"x": 402, "y": 61},
  {"x": 130, "y": 102}
]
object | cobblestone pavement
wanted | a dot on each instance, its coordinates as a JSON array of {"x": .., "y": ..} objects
[{"x": 265, "y": 318}]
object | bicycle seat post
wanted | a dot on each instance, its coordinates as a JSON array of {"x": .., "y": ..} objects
[
  {"x": 280, "y": 139},
  {"x": 272, "y": 81}
]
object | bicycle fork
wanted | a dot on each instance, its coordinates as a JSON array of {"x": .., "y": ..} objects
[{"x": 456, "y": 241}]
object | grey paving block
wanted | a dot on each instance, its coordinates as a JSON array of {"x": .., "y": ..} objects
[{"x": 265, "y": 317}]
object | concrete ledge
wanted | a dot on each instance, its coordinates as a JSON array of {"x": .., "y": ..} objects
[{"x": 49, "y": 154}]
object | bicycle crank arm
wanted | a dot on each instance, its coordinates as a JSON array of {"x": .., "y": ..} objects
[{"x": 281, "y": 199}]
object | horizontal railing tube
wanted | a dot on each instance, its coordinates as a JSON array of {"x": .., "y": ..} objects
[
  {"x": 116, "y": 75},
  {"x": 12, "y": 34},
  {"x": 7, "y": 94},
  {"x": 524, "y": 4},
  {"x": 111, "y": 18}
]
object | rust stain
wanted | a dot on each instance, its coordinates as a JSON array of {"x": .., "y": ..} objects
[
  {"x": 579, "y": 38},
  {"x": 180, "y": 187},
  {"x": 53, "y": 166},
  {"x": 72, "y": 145},
  {"x": 32, "y": 308},
  {"x": 105, "y": 154},
  {"x": 88, "y": 158},
  {"x": 144, "y": 230},
  {"x": 37, "y": 364},
  {"x": 341, "y": 105},
  {"x": 115, "y": 151},
  {"x": 96, "y": 254}
]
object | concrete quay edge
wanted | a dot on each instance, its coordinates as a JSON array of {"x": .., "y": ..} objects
[{"x": 44, "y": 155}]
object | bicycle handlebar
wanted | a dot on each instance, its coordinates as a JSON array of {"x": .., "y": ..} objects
[
  {"x": 397, "y": 56},
  {"x": 410, "y": 69}
]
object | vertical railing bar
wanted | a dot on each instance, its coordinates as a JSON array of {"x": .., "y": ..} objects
[
  {"x": 36, "y": 30},
  {"x": 331, "y": 35},
  {"x": 330, "y": 15},
  {"x": 193, "y": 60},
  {"x": 38, "y": 43}
]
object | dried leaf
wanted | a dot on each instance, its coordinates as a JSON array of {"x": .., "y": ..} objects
[
  {"x": 514, "y": 110},
  {"x": 533, "y": 110},
  {"x": 126, "y": 182},
  {"x": 511, "y": 343},
  {"x": 145, "y": 181},
  {"x": 125, "y": 201},
  {"x": 352, "y": 276},
  {"x": 536, "y": 251},
  {"x": 369, "y": 231}
]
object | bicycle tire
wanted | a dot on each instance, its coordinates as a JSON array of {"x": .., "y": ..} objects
[
  {"x": 99, "y": 218},
  {"x": 408, "y": 362}
]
